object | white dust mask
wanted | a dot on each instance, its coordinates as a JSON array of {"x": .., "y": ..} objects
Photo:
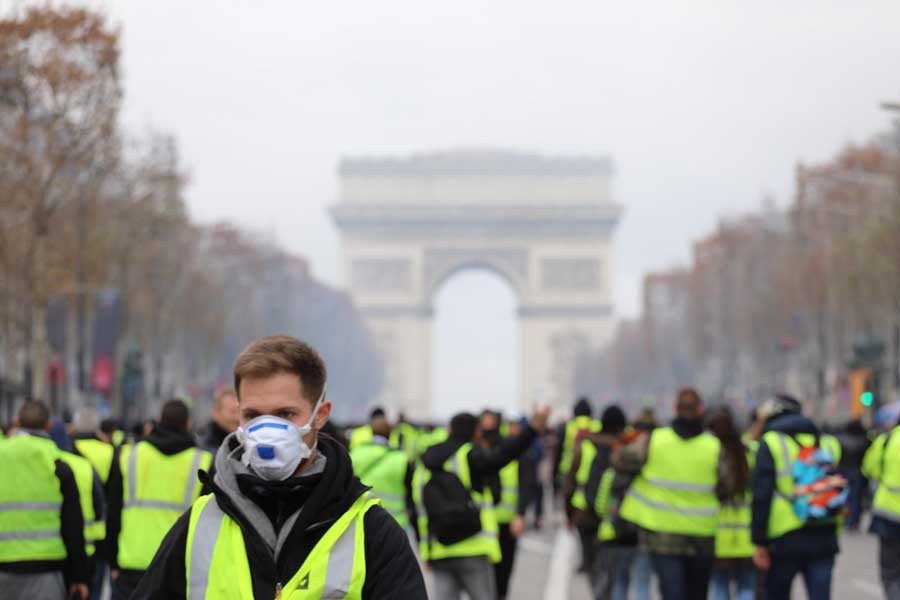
[{"x": 274, "y": 447}]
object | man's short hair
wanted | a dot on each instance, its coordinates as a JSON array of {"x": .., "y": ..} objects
[
  {"x": 175, "y": 415},
  {"x": 34, "y": 414},
  {"x": 463, "y": 425},
  {"x": 276, "y": 354},
  {"x": 376, "y": 413},
  {"x": 86, "y": 420},
  {"x": 221, "y": 394},
  {"x": 108, "y": 426}
]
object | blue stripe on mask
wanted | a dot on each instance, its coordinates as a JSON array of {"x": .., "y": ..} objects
[{"x": 264, "y": 425}]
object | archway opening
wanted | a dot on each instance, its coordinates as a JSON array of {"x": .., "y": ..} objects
[{"x": 475, "y": 344}]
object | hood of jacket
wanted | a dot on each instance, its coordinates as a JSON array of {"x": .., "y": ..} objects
[
  {"x": 791, "y": 424},
  {"x": 296, "y": 505},
  {"x": 434, "y": 458},
  {"x": 169, "y": 441}
]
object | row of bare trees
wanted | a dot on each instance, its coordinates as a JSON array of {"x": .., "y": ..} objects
[
  {"x": 777, "y": 299},
  {"x": 89, "y": 211}
]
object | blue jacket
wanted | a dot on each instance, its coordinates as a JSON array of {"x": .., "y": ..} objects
[{"x": 811, "y": 541}]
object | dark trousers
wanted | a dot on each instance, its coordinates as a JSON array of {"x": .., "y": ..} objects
[
  {"x": 889, "y": 563},
  {"x": 503, "y": 569},
  {"x": 682, "y": 577},
  {"x": 857, "y": 485},
  {"x": 125, "y": 584},
  {"x": 816, "y": 575},
  {"x": 587, "y": 533}
]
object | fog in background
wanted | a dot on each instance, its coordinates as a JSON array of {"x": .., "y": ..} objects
[{"x": 704, "y": 107}]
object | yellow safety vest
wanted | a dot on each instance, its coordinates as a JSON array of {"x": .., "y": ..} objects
[
  {"x": 100, "y": 454},
  {"x": 509, "y": 493},
  {"x": 361, "y": 435},
  {"x": 603, "y": 506},
  {"x": 675, "y": 491},
  {"x": 588, "y": 454},
  {"x": 158, "y": 489},
  {"x": 94, "y": 528},
  {"x": 784, "y": 450},
  {"x": 385, "y": 470},
  {"x": 882, "y": 464},
  {"x": 572, "y": 429},
  {"x": 484, "y": 543},
  {"x": 30, "y": 500},
  {"x": 733, "y": 539},
  {"x": 216, "y": 565},
  {"x": 432, "y": 438},
  {"x": 405, "y": 437}
]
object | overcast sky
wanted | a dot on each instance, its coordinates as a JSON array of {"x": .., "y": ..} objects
[{"x": 703, "y": 106}]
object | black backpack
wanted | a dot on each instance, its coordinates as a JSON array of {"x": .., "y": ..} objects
[{"x": 452, "y": 514}]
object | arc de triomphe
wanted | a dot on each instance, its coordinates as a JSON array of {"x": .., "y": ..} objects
[{"x": 543, "y": 224}]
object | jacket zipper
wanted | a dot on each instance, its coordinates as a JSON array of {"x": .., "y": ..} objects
[{"x": 277, "y": 590}]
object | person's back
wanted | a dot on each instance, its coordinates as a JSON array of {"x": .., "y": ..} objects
[
  {"x": 673, "y": 500},
  {"x": 386, "y": 469},
  {"x": 786, "y": 543},
  {"x": 41, "y": 524},
  {"x": 159, "y": 482},
  {"x": 882, "y": 465}
]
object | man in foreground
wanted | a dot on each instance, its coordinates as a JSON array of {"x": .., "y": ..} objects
[{"x": 286, "y": 516}]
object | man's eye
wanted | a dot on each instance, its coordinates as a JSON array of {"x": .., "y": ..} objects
[{"x": 286, "y": 414}]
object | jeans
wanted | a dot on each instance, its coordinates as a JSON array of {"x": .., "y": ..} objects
[
  {"x": 889, "y": 564},
  {"x": 816, "y": 575},
  {"x": 682, "y": 577},
  {"x": 473, "y": 575},
  {"x": 744, "y": 578},
  {"x": 857, "y": 485},
  {"x": 28, "y": 586},
  {"x": 503, "y": 569},
  {"x": 635, "y": 567},
  {"x": 613, "y": 566}
]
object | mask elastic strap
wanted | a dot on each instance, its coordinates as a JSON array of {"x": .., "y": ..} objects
[{"x": 315, "y": 410}]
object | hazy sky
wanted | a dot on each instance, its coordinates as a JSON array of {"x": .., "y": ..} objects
[{"x": 703, "y": 106}]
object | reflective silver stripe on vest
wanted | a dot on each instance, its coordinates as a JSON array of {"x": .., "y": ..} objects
[
  {"x": 133, "y": 502},
  {"x": 734, "y": 525},
  {"x": 11, "y": 506},
  {"x": 691, "y": 512},
  {"x": 892, "y": 489},
  {"x": 680, "y": 485},
  {"x": 390, "y": 497},
  {"x": 38, "y": 534},
  {"x": 786, "y": 468},
  {"x": 886, "y": 514},
  {"x": 340, "y": 564},
  {"x": 206, "y": 533}
]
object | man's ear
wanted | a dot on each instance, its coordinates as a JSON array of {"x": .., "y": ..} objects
[{"x": 323, "y": 414}]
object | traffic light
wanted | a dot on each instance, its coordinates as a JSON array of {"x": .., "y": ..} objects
[{"x": 867, "y": 398}]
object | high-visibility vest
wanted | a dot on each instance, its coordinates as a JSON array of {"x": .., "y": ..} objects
[
  {"x": 675, "y": 491},
  {"x": 484, "y": 543},
  {"x": 508, "y": 507},
  {"x": 216, "y": 565},
  {"x": 100, "y": 454},
  {"x": 603, "y": 506},
  {"x": 568, "y": 447},
  {"x": 583, "y": 474},
  {"x": 405, "y": 437},
  {"x": 733, "y": 539},
  {"x": 882, "y": 464},
  {"x": 361, "y": 435},
  {"x": 431, "y": 438},
  {"x": 784, "y": 450},
  {"x": 158, "y": 488},
  {"x": 30, "y": 500},
  {"x": 385, "y": 470},
  {"x": 94, "y": 528},
  {"x": 118, "y": 437}
]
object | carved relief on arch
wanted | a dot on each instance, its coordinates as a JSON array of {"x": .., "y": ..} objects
[{"x": 510, "y": 263}]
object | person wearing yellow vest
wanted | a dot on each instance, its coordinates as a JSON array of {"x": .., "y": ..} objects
[
  {"x": 387, "y": 470},
  {"x": 42, "y": 543},
  {"x": 93, "y": 441},
  {"x": 881, "y": 464},
  {"x": 673, "y": 499},
  {"x": 158, "y": 483},
  {"x": 510, "y": 498},
  {"x": 466, "y": 565},
  {"x": 593, "y": 452},
  {"x": 363, "y": 434},
  {"x": 734, "y": 550},
  {"x": 581, "y": 422},
  {"x": 405, "y": 437},
  {"x": 286, "y": 518},
  {"x": 785, "y": 544},
  {"x": 225, "y": 417}
]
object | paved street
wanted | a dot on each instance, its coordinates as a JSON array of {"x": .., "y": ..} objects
[{"x": 535, "y": 577}]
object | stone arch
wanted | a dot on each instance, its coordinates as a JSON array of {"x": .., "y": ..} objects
[{"x": 542, "y": 224}]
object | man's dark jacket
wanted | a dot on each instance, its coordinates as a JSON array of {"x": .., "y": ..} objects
[
  {"x": 391, "y": 567},
  {"x": 809, "y": 542}
]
